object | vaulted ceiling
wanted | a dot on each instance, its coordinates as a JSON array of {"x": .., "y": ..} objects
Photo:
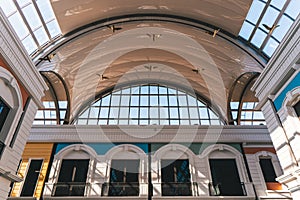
[{"x": 191, "y": 43}]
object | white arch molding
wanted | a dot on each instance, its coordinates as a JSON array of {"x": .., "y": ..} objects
[
  {"x": 225, "y": 151},
  {"x": 292, "y": 97},
  {"x": 172, "y": 152},
  {"x": 128, "y": 152},
  {"x": 11, "y": 94},
  {"x": 75, "y": 151},
  {"x": 275, "y": 162}
]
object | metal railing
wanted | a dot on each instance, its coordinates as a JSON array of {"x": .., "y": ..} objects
[
  {"x": 120, "y": 189},
  {"x": 177, "y": 189},
  {"x": 70, "y": 189},
  {"x": 220, "y": 190}
]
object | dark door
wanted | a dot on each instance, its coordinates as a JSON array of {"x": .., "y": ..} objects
[
  {"x": 176, "y": 178},
  {"x": 72, "y": 178},
  {"x": 225, "y": 177},
  {"x": 31, "y": 178},
  {"x": 267, "y": 169},
  {"x": 124, "y": 178}
]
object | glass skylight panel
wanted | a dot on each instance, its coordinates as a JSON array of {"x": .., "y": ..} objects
[
  {"x": 41, "y": 36},
  {"x": 278, "y": 3},
  {"x": 46, "y": 10},
  {"x": 17, "y": 23},
  {"x": 9, "y": 7},
  {"x": 24, "y": 16},
  {"x": 293, "y": 9},
  {"x": 246, "y": 30},
  {"x": 255, "y": 11},
  {"x": 269, "y": 17},
  {"x": 274, "y": 20},
  {"x": 32, "y": 17},
  {"x": 285, "y": 23},
  {"x": 258, "y": 38},
  {"x": 29, "y": 44},
  {"x": 23, "y": 2},
  {"x": 270, "y": 47}
]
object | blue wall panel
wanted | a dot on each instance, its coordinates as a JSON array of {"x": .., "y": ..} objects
[{"x": 293, "y": 84}]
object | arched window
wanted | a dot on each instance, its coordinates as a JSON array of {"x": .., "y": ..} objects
[
  {"x": 228, "y": 175},
  {"x": 10, "y": 107},
  {"x": 150, "y": 104},
  {"x": 71, "y": 172},
  {"x": 174, "y": 165}
]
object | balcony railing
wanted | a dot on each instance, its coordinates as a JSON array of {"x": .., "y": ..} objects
[
  {"x": 120, "y": 189},
  {"x": 70, "y": 189},
  {"x": 178, "y": 189},
  {"x": 221, "y": 190}
]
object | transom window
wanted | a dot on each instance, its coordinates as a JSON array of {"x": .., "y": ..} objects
[{"x": 148, "y": 105}]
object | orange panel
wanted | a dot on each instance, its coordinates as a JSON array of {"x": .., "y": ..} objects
[
  {"x": 274, "y": 186},
  {"x": 254, "y": 150}
]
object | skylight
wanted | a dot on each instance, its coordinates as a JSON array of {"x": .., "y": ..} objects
[
  {"x": 267, "y": 23},
  {"x": 33, "y": 21}
]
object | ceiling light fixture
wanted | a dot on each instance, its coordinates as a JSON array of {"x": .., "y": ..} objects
[
  {"x": 113, "y": 28},
  {"x": 102, "y": 77},
  {"x": 150, "y": 67},
  {"x": 154, "y": 36},
  {"x": 48, "y": 57}
]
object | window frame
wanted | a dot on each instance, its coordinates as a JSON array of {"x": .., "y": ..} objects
[
  {"x": 181, "y": 97},
  {"x": 13, "y": 97}
]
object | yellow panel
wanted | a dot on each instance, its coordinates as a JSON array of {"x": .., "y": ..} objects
[{"x": 34, "y": 151}]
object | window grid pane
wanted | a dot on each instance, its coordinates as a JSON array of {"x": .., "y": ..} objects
[{"x": 146, "y": 105}]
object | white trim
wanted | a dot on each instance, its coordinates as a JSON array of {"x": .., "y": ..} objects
[
  {"x": 176, "y": 134},
  {"x": 75, "y": 148},
  {"x": 275, "y": 163},
  {"x": 125, "y": 148},
  {"x": 231, "y": 153},
  {"x": 292, "y": 97},
  {"x": 16, "y": 106},
  {"x": 161, "y": 154},
  {"x": 55, "y": 168},
  {"x": 141, "y": 156},
  {"x": 18, "y": 60}
]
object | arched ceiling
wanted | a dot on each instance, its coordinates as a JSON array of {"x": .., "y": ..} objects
[
  {"x": 225, "y": 14},
  {"x": 150, "y": 49}
]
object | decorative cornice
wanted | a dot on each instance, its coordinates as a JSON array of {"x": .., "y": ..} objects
[
  {"x": 18, "y": 60},
  {"x": 281, "y": 65},
  {"x": 155, "y": 134}
]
